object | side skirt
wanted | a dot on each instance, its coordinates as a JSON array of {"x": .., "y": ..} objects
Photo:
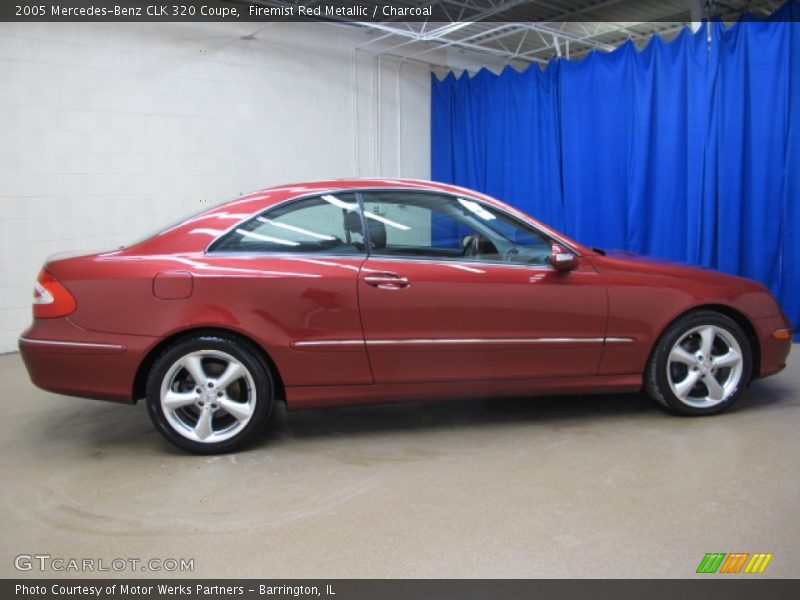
[{"x": 302, "y": 397}]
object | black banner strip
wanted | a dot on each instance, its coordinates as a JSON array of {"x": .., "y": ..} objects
[
  {"x": 713, "y": 588},
  {"x": 345, "y": 11}
]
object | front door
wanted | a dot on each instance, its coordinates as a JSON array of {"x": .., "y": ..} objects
[{"x": 456, "y": 290}]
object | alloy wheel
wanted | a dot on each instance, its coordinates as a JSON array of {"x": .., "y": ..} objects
[
  {"x": 208, "y": 396},
  {"x": 705, "y": 366}
]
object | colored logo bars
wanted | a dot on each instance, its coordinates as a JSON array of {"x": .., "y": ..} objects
[{"x": 720, "y": 562}]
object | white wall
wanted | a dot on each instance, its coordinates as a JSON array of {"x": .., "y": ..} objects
[{"x": 108, "y": 131}]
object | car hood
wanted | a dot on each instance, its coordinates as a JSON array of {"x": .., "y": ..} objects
[
  {"x": 620, "y": 267},
  {"x": 616, "y": 253},
  {"x": 662, "y": 266}
]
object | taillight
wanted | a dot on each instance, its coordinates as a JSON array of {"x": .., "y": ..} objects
[{"x": 50, "y": 298}]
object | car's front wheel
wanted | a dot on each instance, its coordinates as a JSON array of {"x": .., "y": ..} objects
[
  {"x": 209, "y": 394},
  {"x": 700, "y": 364}
]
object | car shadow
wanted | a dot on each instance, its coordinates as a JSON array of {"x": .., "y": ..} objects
[
  {"x": 99, "y": 427},
  {"x": 545, "y": 411},
  {"x": 386, "y": 418}
]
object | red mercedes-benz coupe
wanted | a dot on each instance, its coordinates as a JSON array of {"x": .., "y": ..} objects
[{"x": 363, "y": 291}]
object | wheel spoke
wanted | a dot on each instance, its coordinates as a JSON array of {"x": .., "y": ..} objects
[
  {"x": 194, "y": 364},
  {"x": 730, "y": 359},
  {"x": 175, "y": 400},
  {"x": 233, "y": 372},
  {"x": 707, "y": 335},
  {"x": 715, "y": 390},
  {"x": 238, "y": 410},
  {"x": 203, "y": 427},
  {"x": 683, "y": 388},
  {"x": 680, "y": 355}
]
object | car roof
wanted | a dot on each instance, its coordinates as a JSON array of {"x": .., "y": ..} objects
[
  {"x": 196, "y": 232},
  {"x": 278, "y": 193}
]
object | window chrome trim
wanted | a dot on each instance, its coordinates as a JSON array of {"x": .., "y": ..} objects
[
  {"x": 363, "y": 257},
  {"x": 291, "y": 255},
  {"x": 60, "y": 343},
  {"x": 362, "y": 190},
  {"x": 460, "y": 260}
]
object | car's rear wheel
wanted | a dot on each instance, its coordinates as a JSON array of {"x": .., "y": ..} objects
[
  {"x": 700, "y": 365},
  {"x": 209, "y": 394}
]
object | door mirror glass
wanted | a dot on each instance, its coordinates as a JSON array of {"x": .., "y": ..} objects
[{"x": 562, "y": 259}]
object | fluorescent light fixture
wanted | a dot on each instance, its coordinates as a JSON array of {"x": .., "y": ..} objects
[
  {"x": 385, "y": 221},
  {"x": 340, "y": 203},
  {"x": 208, "y": 231},
  {"x": 462, "y": 268},
  {"x": 476, "y": 209},
  {"x": 265, "y": 238},
  {"x": 296, "y": 229},
  {"x": 370, "y": 215}
]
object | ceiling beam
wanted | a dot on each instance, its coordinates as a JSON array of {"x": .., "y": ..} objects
[
  {"x": 481, "y": 16},
  {"x": 570, "y": 14}
]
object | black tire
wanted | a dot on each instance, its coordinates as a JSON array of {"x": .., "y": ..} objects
[
  {"x": 205, "y": 426},
  {"x": 667, "y": 373}
]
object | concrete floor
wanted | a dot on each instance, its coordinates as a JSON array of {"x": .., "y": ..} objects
[{"x": 541, "y": 487}]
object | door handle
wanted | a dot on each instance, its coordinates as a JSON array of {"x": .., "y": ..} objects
[{"x": 386, "y": 281}]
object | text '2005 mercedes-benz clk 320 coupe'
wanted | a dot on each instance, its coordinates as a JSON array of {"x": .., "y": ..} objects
[{"x": 366, "y": 291}]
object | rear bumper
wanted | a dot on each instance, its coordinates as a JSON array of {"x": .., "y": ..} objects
[
  {"x": 773, "y": 351},
  {"x": 63, "y": 358}
]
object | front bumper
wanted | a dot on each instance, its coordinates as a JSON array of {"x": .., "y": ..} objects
[{"x": 774, "y": 351}]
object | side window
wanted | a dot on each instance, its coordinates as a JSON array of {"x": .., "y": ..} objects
[
  {"x": 328, "y": 224},
  {"x": 415, "y": 224}
]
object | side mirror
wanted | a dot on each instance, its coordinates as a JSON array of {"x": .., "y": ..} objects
[{"x": 562, "y": 259}]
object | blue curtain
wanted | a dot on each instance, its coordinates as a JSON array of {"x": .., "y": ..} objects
[
  {"x": 500, "y": 135},
  {"x": 688, "y": 150}
]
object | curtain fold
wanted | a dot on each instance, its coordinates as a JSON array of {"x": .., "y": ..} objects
[{"x": 688, "y": 150}]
